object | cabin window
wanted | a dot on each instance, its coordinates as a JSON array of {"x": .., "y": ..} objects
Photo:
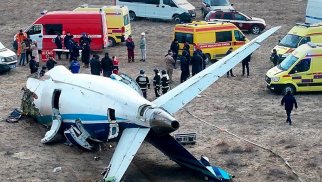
[
  {"x": 35, "y": 29},
  {"x": 53, "y": 29},
  {"x": 56, "y": 97},
  {"x": 223, "y": 36},
  {"x": 184, "y": 37},
  {"x": 111, "y": 114},
  {"x": 303, "y": 66}
]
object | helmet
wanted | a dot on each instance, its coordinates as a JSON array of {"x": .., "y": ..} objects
[{"x": 142, "y": 71}]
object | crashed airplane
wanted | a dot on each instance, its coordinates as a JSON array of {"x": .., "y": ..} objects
[{"x": 91, "y": 109}]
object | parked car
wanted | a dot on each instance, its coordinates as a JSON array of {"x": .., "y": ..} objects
[
  {"x": 212, "y": 5},
  {"x": 8, "y": 59},
  {"x": 242, "y": 21}
]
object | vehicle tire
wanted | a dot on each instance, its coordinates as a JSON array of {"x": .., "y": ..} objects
[
  {"x": 255, "y": 30},
  {"x": 288, "y": 87},
  {"x": 111, "y": 42},
  {"x": 132, "y": 16},
  {"x": 176, "y": 19}
]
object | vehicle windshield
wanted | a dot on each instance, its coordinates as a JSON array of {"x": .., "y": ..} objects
[
  {"x": 219, "y": 3},
  {"x": 2, "y": 46},
  {"x": 287, "y": 62},
  {"x": 290, "y": 40}
]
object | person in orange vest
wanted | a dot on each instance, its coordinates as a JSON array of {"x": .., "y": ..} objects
[
  {"x": 115, "y": 65},
  {"x": 19, "y": 38}
]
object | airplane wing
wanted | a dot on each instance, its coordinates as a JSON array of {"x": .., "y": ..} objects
[
  {"x": 128, "y": 145},
  {"x": 178, "y": 97}
]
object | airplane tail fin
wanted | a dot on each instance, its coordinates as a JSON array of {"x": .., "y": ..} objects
[{"x": 176, "y": 152}]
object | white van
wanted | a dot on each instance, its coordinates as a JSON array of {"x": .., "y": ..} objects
[
  {"x": 213, "y": 5},
  {"x": 7, "y": 56},
  {"x": 176, "y": 10}
]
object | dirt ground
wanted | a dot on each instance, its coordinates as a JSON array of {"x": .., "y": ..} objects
[{"x": 241, "y": 105}]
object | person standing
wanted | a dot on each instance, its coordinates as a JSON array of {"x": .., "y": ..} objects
[
  {"x": 175, "y": 50},
  {"x": 107, "y": 65},
  {"x": 28, "y": 42},
  {"x": 74, "y": 66},
  {"x": 115, "y": 65},
  {"x": 34, "y": 49},
  {"x": 68, "y": 43},
  {"x": 33, "y": 65},
  {"x": 143, "y": 82},
  {"x": 230, "y": 50},
  {"x": 274, "y": 57},
  {"x": 22, "y": 53},
  {"x": 196, "y": 62},
  {"x": 170, "y": 62},
  {"x": 19, "y": 38},
  {"x": 185, "y": 72},
  {"x": 289, "y": 101},
  {"x": 59, "y": 45},
  {"x": 186, "y": 47},
  {"x": 143, "y": 46},
  {"x": 245, "y": 64},
  {"x": 86, "y": 51},
  {"x": 156, "y": 83},
  {"x": 85, "y": 39},
  {"x": 165, "y": 82},
  {"x": 75, "y": 51},
  {"x": 96, "y": 67},
  {"x": 130, "y": 48},
  {"x": 51, "y": 63}
]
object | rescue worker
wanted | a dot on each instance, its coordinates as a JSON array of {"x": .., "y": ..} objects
[
  {"x": 84, "y": 39},
  {"x": 289, "y": 100},
  {"x": 245, "y": 64},
  {"x": 22, "y": 53},
  {"x": 230, "y": 50},
  {"x": 96, "y": 67},
  {"x": 169, "y": 62},
  {"x": 59, "y": 45},
  {"x": 115, "y": 65},
  {"x": 186, "y": 47},
  {"x": 107, "y": 65},
  {"x": 68, "y": 43},
  {"x": 185, "y": 72},
  {"x": 274, "y": 57},
  {"x": 165, "y": 82},
  {"x": 51, "y": 63},
  {"x": 75, "y": 51},
  {"x": 130, "y": 49},
  {"x": 86, "y": 51},
  {"x": 143, "y": 46},
  {"x": 157, "y": 83},
  {"x": 74, "y": 66},
  {"x": 196, "y": 62},
  {"x": 19, "y": 38},
  {"x": 143, "y": 82},
  {"x": 33, "y": 65},
  {"x": 28, "y": 43},
  {"x": 175, "y": 50}
]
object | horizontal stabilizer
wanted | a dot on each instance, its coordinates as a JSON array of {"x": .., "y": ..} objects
[{"x": 176, "y": 152}]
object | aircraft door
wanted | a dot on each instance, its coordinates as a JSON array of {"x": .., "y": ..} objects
[
  {"x": 113, "y": 126},
  {"x": 36, "y": 34}
]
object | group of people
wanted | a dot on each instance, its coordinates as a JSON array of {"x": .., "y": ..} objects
[
  {"x": 106, "y": 65},
  {"x": 131, "y": 46},
  {"x": 161, "y": 82},
  {"x": 26, "y": 48}
]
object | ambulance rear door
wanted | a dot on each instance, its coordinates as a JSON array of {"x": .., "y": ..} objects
[{"x": 36, "y": 34}]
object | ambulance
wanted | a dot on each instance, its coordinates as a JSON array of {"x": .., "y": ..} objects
[
  {"x": 118, "y": 20},
  {"x": 300, "y": 71},
  {"x": 298, "y": 35},
  {"x": 213, "y": 38},
  {"x": 45, "y": 29}
]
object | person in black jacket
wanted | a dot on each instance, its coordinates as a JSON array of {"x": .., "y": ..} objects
[
  {"x": 196, "y": 62},
  {"x": 75, "y": 51},
  {"x": 157, "y": 83},
  {"x": 59, "y": 45},
  {"x": 96, "y": 67},
  {"x": 289, "y": 101},
  {"x": 185, "y": 72},
  {"x": 165, "y": 82},
  {"x": 51, "y": 63},
  {"x": 143, "y": 82},
  {"x": 175, "y": 50},
  {"x": 68, "y": 42},
  {"x": 245, "y": 64},
  {"x": 230, "y": 50},
  {"x": 86, "y": 51},
  {"x": 107, "y": 65},
  {"x": 33, "y": 65},
  {"x": 274, "y": 57}
]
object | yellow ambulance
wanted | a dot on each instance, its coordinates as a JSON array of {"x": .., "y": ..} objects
[
  {"x": 300, "y": 71},
  {"x": 213, "y": 38},
  {"x": 117, "y": 19},
  {"x": 298, "y": 35}
]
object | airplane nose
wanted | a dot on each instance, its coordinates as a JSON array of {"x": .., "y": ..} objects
[{"x": 161, "y": 122}]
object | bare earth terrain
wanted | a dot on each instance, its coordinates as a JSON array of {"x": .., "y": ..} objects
[{"x": 241, "y": 105}]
